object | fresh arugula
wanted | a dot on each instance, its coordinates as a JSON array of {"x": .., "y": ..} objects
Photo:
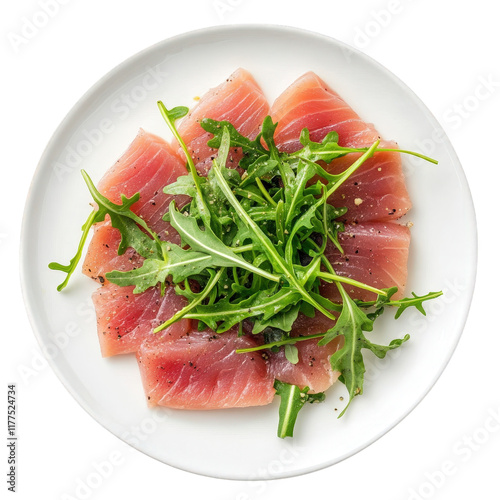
[
  {"x": 292, "y": 400},
  {"x": 253, "y": 244},
  {"x": 122, "y": 218}
]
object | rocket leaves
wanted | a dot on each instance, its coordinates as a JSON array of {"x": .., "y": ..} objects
[
  {"x": 292, "y": 400},
  {"x": 348, "y": 360},
  {"x": 122, "y": 218},
  {"x": 252, "y": 250}
]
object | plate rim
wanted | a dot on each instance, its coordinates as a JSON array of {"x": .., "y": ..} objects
[{"x": 209, "y": 31}]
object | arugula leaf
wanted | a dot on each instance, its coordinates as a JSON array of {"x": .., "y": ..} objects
[
  {"x": 283, "y": 320},
  {"x": 328, "y": 149},
  {"x": 261, "y": 168},
  {"x": 133, "y": 237},
  {"x": 224, "y": 314},
  {"x": 207, "y": 242},
  {"x": 196, "y": 298},
  {"x": 292, "y": 353},
  {"x": 70, "y": 268},
  {"x": 414, "y": 301},
  {"x": 179, "y": 264},
  {"x": 348, "y": 360},
  {"x": 292, "y": 400},
  {"x": 252, "y": 150},
  {"x": 123, "y": 219},
  {"x": 402, "y": 304},
  {"x": 185, "y": 184}
]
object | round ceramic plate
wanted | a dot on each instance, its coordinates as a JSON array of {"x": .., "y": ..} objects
[{"x": 242, "y": 443}]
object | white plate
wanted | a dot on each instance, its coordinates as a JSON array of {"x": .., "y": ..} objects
[{"x": 242, "y": 443}]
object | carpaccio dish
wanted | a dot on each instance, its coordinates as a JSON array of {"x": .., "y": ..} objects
[{"x": 328, "y": 192}]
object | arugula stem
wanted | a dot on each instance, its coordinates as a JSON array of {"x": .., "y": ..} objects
[
  {"x": 70, "y": 268},
  {"x": 185, "y": 310},
  {"x": 205, "y": 213},
  {"x": 360, "y": 150},
  {"x": 348, "y": 172},
  {"x": 349, "y": 281},
  {"x": 243, "y": 248},
  {"x": 292, "y": 340},
  {"x": 264, "y": 191},
  {"x": 412, "y": 153}
]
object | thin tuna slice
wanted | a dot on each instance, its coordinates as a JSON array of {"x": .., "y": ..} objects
[
  {"x": 148, "y": 165},
  {"x": 103, "y": 257},
  {"x": 238, "y": 100},
  {"x": 375, "y": 254},
  {"x": 377, "y": 191},
  {"x": 310, "y": 103},
  {"x": 313, "y": 369},
  {"x": 202, "y": 371},
  {"x": 125, "y": 320}
]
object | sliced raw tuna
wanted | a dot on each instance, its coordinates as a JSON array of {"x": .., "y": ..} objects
[
  {"x": 202, "y": 371},
  {"x": 148, "y": 165},
  {"x": 313, "y": 369},
  {"x": 238, "y": 100},
  {"x": 376, "y": 253},
  {"x": 310, "y": 103},
  {"x": 377, "y": 191},
  {"x": 125, "y": 320},
  {"x": 103, "y": 257}
]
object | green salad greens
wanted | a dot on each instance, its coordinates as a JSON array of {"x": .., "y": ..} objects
[{"x": 253, "y": 242}]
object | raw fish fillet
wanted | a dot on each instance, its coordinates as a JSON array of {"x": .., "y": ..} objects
[
  {"x": 377, "y": 190},
  {"x": 102, "y": 256},
  {"x": 125, "y": 320},
  {"x": 313, "y": 369},
  {"x": 238, "y": 100},
  {"x": 148, "y": 165},
  {"x": 202, "y": 371},
  {"x": 376, "y": 253},
  {"x": 310, "y": 103}
]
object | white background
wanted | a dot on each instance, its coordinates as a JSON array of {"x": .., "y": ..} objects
[{"x": 446, "y": 51}]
